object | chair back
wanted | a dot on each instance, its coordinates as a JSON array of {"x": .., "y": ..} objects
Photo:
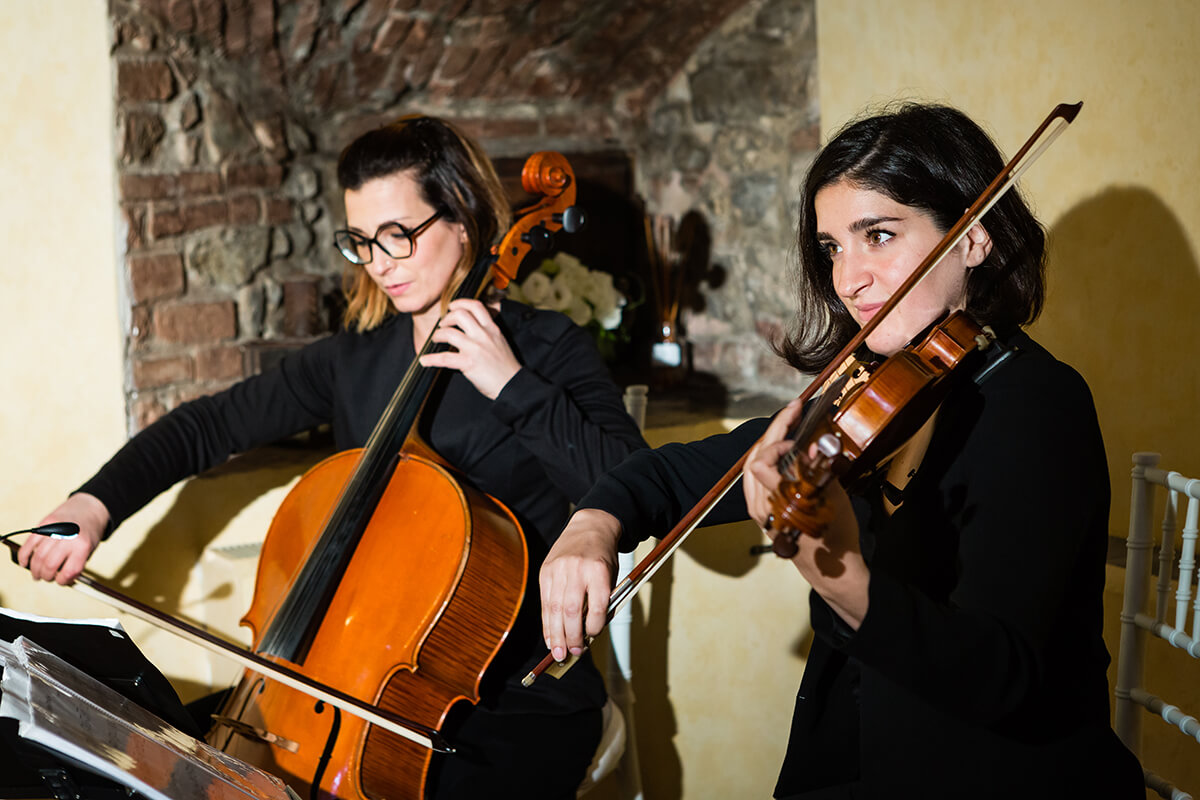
[{"x": 1167, "y": 625}]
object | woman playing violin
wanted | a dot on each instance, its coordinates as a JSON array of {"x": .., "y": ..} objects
[
  {"x": 956, "y": 603},
  {"x": 528, "y": 415}
]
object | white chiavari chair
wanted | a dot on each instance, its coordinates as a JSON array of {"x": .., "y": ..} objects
[{"x": 1140, "y": 629}]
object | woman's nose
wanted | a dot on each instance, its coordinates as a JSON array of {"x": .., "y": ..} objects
[
  {"x": 382, "y": 263},
  {"x": 850, "y": 276}
]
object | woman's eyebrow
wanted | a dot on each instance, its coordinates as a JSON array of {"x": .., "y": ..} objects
[{"x": 860, "y": 225}]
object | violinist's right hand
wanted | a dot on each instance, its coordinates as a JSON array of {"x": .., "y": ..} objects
[
  {"x": 61, "y": 560},
  {"x": 576, "y": 581}
]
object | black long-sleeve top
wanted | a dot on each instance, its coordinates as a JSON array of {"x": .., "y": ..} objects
[
  {"x": 979, "y": 669},
  {"x": 553, "y": 429}
]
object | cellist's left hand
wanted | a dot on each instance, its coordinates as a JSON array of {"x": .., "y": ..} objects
[
  {"x": 831, "y": 562},
  {"x": 480, "y": 351}
]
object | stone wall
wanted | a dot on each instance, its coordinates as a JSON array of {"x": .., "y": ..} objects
[
  {"x": 230, "y": 114},
  {"x": 729, "y": 140}
]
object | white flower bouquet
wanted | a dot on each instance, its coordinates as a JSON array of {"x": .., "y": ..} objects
[{"x": 587, "y": 296}]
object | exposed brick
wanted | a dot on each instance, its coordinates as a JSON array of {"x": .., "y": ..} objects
[
  {"x": 253, "y": 176},
  {"x": 181, "y": 16},
  {"x": 304, "y": 30},
  {"x": 165, "y": 221},
  {"x": 146, "y": 409},
  {"x": 139, "y": 326},
  {"x": 143, "y": 132},
  {"x": 390, "y": 34},
  {"x": 190, "y": 393},
  {"x": 370, "y": 70},
  {"x": 237, "y": 27},
  {"x": 219, "y": 364},
  {"x": 244, "y": 209},
  {"x": 578, "y": 125},
  {"x": 149, "y": 373},
  {"x": 262, "y": 27},
  {"x": 199, "y": 183},
  {"x": 144, "y": 81},
  {"x": 329, "y": 85},
  {"x": 135, "y": 222},
  {"x": 195, "y": 323},
  {"x": 210, "y": 19},
  {"x": 204, "y": 214},
  {"x": 155, "y": 276},
  {"x": 147, "y": 187},
  {"x": 484, "y": 129},
  {"x": 456, "y": 60},
  {"x": 279, "y": 211}
]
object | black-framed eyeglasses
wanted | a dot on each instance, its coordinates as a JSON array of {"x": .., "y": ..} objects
[{"x": 395, "y": 240}]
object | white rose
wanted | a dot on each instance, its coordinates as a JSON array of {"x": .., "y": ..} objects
[
  {"x": 561, "y": 294},
  {"x": 537, "y": 289},
  {"x": 568, "y": 261},
  {"x": 579, "y": 311},
  {"x": 610, "y": 320}
]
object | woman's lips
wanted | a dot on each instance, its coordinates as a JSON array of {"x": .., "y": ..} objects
[
  {"x": 397, "y": 289},
  {"x": 867, "y": 310}
]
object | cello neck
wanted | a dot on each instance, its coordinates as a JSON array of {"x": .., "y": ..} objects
[{"x": 293, "y": 628}]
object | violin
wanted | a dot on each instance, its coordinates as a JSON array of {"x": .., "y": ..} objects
[{"x": 844, "y": 438}]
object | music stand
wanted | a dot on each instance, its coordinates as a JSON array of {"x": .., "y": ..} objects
[{"x": 85, "y": 728}]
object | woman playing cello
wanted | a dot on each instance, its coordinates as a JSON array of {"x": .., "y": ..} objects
[
  {"x": 956, "y": 602},
  {"x": 529, "y": 416}
]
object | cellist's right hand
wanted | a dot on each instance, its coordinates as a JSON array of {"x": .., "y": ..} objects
[
  {"x": 576, "y": 581},
  {"x": 61, "y": 560}
]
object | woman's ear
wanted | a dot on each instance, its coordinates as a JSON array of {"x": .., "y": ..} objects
[{"x": 979, "y": 245}]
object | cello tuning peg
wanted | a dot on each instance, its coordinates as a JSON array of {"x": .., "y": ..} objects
[
  {"x": 573, "y": 219},
  {"x": 539, "y": 238}
]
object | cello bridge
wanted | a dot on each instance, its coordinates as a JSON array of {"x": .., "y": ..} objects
[{"x": 258, "y": 734}]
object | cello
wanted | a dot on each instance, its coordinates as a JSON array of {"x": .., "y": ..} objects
[{"x": 330, "y": 561}]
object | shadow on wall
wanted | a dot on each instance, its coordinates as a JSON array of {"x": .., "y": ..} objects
[
  {"x": 1124, "y": 309},
  {"x": 156, "y": 572}
]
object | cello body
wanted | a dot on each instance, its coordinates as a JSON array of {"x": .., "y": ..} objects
[{"x": 411, "y": 628}]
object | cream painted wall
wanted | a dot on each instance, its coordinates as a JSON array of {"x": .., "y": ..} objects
[{"x": 62, "y": 413}]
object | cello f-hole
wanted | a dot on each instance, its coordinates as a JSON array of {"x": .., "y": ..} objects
[{"x": 315, "y": 792}]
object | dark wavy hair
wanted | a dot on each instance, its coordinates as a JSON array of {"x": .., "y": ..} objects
[
  {"x": 935, "y": 159},
  {"x": 455, "y": 177}
]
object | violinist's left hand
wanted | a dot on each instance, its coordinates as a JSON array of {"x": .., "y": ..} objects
[
  {"x": 831, "y": 562},
  {"x": 480, "y": 351}
]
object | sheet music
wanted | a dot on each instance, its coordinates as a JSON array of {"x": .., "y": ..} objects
[{"x": 80, "y": 718}]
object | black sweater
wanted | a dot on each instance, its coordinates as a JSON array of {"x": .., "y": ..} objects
[
  {"x": 979, "y": 669},
  {"x": 555, "y": 427}
]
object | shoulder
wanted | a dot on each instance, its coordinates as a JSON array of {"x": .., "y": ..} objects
[
  {"x": 1033, "y": 376},
  {"x": 1033, "y": 405},
  {"x": 537, "y": 333},
  {"x": 536, "y": 323}
]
